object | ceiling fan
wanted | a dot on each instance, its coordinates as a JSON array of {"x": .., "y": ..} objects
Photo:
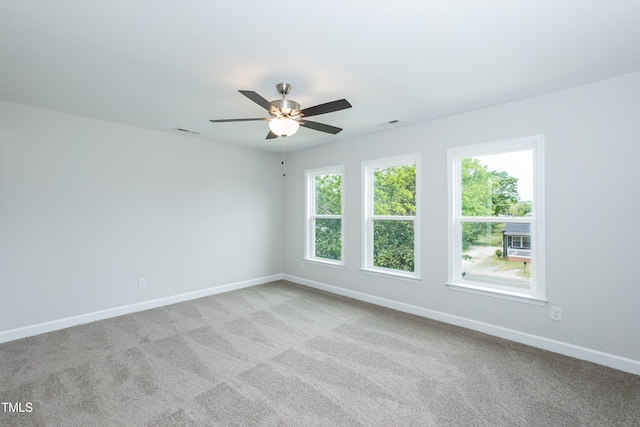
[{"x": 286, "y": 115}]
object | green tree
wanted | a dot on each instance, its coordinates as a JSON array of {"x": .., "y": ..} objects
[
  {"x": 328, "y": 238},
  {"x": 521, "y": 208},
  {"x": 393, "y": 245},
  {"x": 475, "y": 198},
  {"x": 475, "y": 188},
  {"x": 328, "y": 194},
  {"x": 504, "y": 192},
  {"x": 395, "y": 191}
]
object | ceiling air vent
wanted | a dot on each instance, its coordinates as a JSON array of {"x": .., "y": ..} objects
[
  {"x": 193, "y": 132},
  {"x": 390, "y": 122}
]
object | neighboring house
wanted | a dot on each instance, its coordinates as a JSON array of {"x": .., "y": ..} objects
[{"x": 516, "y": 242}]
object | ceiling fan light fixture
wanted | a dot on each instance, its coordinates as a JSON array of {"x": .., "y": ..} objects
[{"x": 284, "y": 126}]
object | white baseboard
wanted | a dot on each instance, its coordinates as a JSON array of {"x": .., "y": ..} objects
[
  {"x": 582, "y": 353},
  {"x": 54, "y": 325}
]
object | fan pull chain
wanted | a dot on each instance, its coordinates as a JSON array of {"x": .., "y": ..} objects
[{"x": 284, "y": 172}]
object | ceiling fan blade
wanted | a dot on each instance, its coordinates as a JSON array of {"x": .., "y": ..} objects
[
  {"x": 328, "y": 107},
  {"x": 271, "y": 135},
  {"x": 320, "y": 126},
  {"x": 236, "y": 120},
  {"x": 256, "y": 98}
]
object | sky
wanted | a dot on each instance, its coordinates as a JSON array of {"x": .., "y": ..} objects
[{"x": 518, "y": 164}]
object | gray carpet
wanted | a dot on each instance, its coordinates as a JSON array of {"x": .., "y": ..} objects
[{"x": 284, "y": 355}]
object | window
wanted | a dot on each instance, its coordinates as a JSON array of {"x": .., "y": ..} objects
[
  {"x": 391, "y": 226},
  {"x": 519, "y": 242},
  {"x": 496, "y": 211},
  {"x": 325, "y": 207}
]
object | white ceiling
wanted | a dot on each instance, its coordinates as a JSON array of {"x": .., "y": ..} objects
[{"x": 162, "y": 64}]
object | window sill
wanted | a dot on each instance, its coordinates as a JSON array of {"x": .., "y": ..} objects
[
  {"x": 497, "y": 293},
  {"x": 327, "y": 263},
  {"x": 392, "y": 274}
]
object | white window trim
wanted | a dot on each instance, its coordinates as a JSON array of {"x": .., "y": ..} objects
[
  {"x": 537, "y": 293},
  {"x": 368, "y": 217},
  {"x": 310, "y": 216}
]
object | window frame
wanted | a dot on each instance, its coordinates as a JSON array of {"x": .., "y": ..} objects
[
  {"x": 311, "y": 215},
  {"x": 537, "y": 292},
  {"x": 368, "y": 217}
]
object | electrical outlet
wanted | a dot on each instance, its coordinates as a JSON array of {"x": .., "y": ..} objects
[
  {"x": 302, "y": 264},
  {"x": 556, "y": 314},
  {"x": 142, "y": 283}
]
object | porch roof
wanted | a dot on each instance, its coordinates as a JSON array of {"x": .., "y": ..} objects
[{"x": 517, "y": 229}]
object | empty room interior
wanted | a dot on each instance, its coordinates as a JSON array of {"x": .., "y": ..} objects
[{"x": 338, "y": 213}]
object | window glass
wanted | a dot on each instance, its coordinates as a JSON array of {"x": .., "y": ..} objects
[
  {"x": 394, "y": 190},
  {"x": 393, "y": 245},
  {"x": 328, "y": 189},
  {"x": 497, "y": 184},
  {"x": 328, "y": 238},
  {"x": 491, "y": 257}
]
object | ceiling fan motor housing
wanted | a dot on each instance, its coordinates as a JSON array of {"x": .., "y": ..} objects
[{"x": 284, "y": 108}]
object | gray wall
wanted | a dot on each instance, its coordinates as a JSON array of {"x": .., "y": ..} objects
[
  {"x": 87, "y": 207},
  {"x": 592, "y": 136}
]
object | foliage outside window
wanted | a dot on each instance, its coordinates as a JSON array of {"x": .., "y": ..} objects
[
  {"x": 391, "y": 229},
  {"x": 324, "y": 240},
  {"x": 496, "y": 213}
]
